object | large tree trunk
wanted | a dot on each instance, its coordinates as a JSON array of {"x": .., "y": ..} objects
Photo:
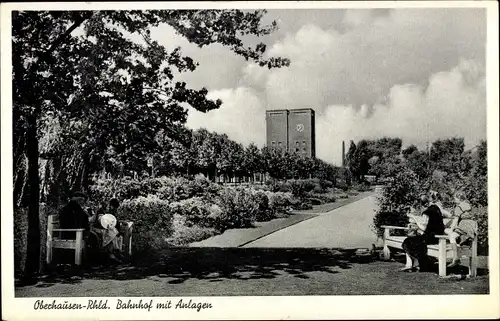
[
  {"x": 20, "y": 180},
  {"x": 33, "y": 247}
]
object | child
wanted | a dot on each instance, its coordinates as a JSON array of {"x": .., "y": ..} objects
[{"x": 452, "y": 230}]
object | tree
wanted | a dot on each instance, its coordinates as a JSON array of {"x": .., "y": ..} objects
[
  {"x": 446, "y": 154},
  {"x": 363, "y": 154},
  {"x": 83, "y": 66},
  {"x": 274, "y": 162},
  {"x": 418, "y": 162},
  {"x": 351, "y": 160},
  {"x": 253, "y": 162},
  {"x": 409, "y": 151},
  {"x": 476, "y": 182}
]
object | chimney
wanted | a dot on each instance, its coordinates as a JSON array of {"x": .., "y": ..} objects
[{"x": 343, "y": 154}]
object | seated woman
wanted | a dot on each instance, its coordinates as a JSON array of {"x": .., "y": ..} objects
[
  {"x": 452, "y": 229},
  {"x": 104, "y": 229},
  {"x": 429, "y": 224}
]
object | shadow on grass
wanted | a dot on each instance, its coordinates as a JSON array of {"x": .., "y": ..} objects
[
  {"x": 461, "y": 269},
  {"x": 215, "y": 264}
]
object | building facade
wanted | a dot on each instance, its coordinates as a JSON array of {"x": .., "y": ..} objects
[{"x": 292, "y": 130}]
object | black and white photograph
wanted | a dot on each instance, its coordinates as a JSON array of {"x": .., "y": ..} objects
[{"x": 160, "y": 158}]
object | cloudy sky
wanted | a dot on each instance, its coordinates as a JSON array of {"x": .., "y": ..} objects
[{"x": 418, "y": 74}]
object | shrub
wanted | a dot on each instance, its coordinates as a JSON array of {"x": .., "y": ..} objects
[
  {"x": 398, "y": 196},
  {"x": 325, "y": 184},
  {"x": 184, "y": 234},
  {"x": 280, "y": 202},
  {"x": 240, "y": 205},
  {"x": 167, "y": 188},
  {"x": 264, "y": 211},
  {"x": 125, "y": 188},
  {"x": 342, "y": 185},
  {"x": 324, "y": 197},
  {"x": 480, "y": 214},
  {"x": 152, "y": 219},
  {"x": 303, "y": 205},
  {"x": 388, "y": 218},
  {"x": 318, "y": 190},
  {"x": 298, "y": 187},
  {"x": 314, "y": 201},
  {"x": 352, "y": 193},
  {"x": 402, "y": 193},
  {"x": 362, "y": 187},
  {"x": 197, "y": 212}
]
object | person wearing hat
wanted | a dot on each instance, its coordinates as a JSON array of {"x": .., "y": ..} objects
[
  {"x": 105, "y": 229},
  {"x": 73, "y": 215}
]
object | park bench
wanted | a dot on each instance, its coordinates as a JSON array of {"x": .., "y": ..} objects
[
  {"x": 442, "y": 251},
  {"x": 58, "y": 238}
]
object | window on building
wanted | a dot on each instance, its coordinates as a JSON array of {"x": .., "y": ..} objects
[
  {"x": 296, "y": 143},
  {"x": 304, "y": 149},
  {"x": 303, "y": 143},
  {"x": 297, "y": 149},
  {"x": 273, "y": 143},
  {"x": 279, "y": 144}
]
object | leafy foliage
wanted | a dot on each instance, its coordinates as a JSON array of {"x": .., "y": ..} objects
[
  {"x": 152, "y": 221},
  {"x": 110, "y": 93},
  {"x": 447, "y": 169}
]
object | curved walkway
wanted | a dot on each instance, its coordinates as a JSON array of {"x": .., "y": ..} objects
[
  {"x": 344, "y": 227},
  {"x": 243, "y": 236}
]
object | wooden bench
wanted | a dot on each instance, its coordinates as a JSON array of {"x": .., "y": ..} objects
[
  {"x": 442, "y": 251},
  {"x": 55, "y": 240}
]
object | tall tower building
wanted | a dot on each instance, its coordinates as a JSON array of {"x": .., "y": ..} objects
[
  {"x": 277, "y": 129},
  {"x": 292, "y": 130},
  {"x": 301, "y": 132}
]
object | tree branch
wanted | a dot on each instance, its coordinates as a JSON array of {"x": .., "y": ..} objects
[
  {"x": 164, "y": 92},
  {"x": 61, "y": 38}
]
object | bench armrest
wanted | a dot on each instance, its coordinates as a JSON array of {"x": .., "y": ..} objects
[
  {"x": 442, "y": 236},
  {"x": 394, "y": 227},
  {"x": 68, "y": 230}
]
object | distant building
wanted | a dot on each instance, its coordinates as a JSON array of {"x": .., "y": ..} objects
[
  {"x": 292, "y": 130},
  {"x": 277, "y": 129}
]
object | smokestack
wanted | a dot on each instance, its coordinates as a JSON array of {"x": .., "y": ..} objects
[{"x": 343, "y": 154}]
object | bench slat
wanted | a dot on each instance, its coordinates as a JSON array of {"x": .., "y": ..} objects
[
  {"x": 395, "y": 227},
  {"x": 64, "y": 244}
]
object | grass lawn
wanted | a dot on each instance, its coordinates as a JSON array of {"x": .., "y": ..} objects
[{"x": 251, "y": 271}]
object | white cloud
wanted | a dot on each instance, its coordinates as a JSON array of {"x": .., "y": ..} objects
[
  {"x": 242, "y": 116},
  {"x": 362, "y": 64},
  {"x": 357, "y": 17},
  {"x": 417, "y": 74},
  {"x": 453, "y": 104}
]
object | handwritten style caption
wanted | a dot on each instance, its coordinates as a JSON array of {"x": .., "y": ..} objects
[{"x": 122, "y": 305}]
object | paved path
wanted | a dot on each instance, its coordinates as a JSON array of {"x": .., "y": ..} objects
[
  {"x": 344, "y": 227},
  {"x": 241, "y": 236}
]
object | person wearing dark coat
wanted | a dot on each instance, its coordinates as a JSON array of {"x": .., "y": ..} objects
[
  {"x": 73, "y": 216},
  {"x": 429, "y": 224}
]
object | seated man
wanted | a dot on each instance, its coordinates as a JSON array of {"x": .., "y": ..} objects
[{"x": 73, "y": 216}]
